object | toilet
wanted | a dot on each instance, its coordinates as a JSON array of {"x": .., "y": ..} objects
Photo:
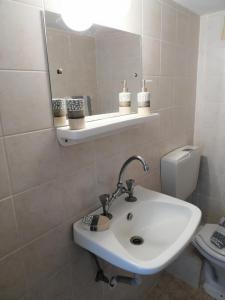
[{"x": 179, "y": 175}]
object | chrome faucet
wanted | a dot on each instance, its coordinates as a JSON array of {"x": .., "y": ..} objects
[{"x": 106, "y": 199}]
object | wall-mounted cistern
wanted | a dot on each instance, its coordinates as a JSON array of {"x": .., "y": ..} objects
[{"x": 106, "y": 200}]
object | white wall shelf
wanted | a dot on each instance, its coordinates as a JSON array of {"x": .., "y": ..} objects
[{"x": 98, "y": 128}]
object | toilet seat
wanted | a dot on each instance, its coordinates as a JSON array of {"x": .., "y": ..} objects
[{"x": 202, "y": 242}]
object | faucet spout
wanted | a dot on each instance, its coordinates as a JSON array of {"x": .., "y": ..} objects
[
  {"x": 127, "y": 162},
  {"x": 107, "y": 200}
]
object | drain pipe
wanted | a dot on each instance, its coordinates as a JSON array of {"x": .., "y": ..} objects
[
  {"x": 100, "y": 276},
  {"x": 133, "y": 281}
]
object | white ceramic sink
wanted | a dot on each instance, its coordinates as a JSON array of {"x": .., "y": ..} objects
[{"x": 166, "y": 225}]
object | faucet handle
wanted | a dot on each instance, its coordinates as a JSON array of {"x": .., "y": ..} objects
[
  {"x": 130, "y": 189},
  {"x": 104, "y": 199},
  {"x": 130, "y": 184}
]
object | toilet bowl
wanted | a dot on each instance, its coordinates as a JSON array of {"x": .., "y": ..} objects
[
  {"x": 213, "y": 272},
  {"x": 179, "y": 175}
]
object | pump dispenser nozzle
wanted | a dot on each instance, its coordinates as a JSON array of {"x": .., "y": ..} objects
[
  {"x": 125, "y": 88},
  {"x": 144, "y": 89}
]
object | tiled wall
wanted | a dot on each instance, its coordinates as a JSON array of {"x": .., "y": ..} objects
[
  {"x": 45, "y": 187},
  {"x": 210, "y": 115}
]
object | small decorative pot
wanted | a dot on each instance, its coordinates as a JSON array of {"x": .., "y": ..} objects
[
  {"x": 59, "y": 111},
  {"x": 75, "y": 113}
]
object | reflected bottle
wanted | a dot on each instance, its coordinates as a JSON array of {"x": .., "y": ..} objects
[{"x": 125, "y": 100}]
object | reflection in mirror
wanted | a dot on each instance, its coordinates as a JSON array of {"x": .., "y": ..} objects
[{"x": 91, "y": 65}]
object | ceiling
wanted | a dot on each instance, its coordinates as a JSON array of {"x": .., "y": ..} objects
[{"x": 202, "y": 7}]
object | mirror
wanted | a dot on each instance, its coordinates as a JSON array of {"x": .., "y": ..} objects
[{"x": 92, "y": 64}]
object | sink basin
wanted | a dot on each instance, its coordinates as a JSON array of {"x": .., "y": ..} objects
[{"x": 159, "y": 228}]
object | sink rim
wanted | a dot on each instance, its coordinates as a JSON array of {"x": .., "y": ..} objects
[{"x": 106, "y": 245}]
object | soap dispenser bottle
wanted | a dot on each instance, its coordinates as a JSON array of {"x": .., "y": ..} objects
[
  {"x": 143, "y": 99},
  {"x": 125, "y": 100}
]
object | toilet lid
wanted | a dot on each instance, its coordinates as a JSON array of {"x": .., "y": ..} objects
[{"x": 202, "y": 242}]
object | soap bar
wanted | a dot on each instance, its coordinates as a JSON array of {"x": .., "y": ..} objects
[{"x": 96, "y": 222}]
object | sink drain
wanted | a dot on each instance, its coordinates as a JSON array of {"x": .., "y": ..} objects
[{"x": 136, "y": 240}]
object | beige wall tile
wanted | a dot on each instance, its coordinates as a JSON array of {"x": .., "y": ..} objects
[
  {"x": 4, "y": 182},
  {"x": 46, "y": 256},
  {"x": 25, "y": 297},
  {"x": 84, "y": 271},
  {"x": 1, "y": 133},
  {"x": 39, "y": 210},
  {"x": 147, "y": 132},
  {"x": 179, "y": 121},
  {"x": 107, "y": 146},
  {"x": 107, "y": 172},
  {"x": 192, "y": 62},
  {"x": 182, "y": 62},
  {"x": 12, "y": 278},
  {"x": 34, "y": 158},
  {"x": 76, "y": 157},
  {"x": 8, "y": 229},
  {"x": 150, "y": 56},
  {"x": 59, "y": 286},
  {"x": 25, "y": 101},
  {"x": 165, "y": 92},
  {"x": 79, "y": 192},
  {"x": 168, "y": 24},
  {"x": 194, "y": 25},
  {"x": 168, "y": 59},
  {"x": 166, "y": 125},
  {"x": 26, "y": 50},
  {"x": 182, "y": 28},
  {"x": 83, "y": 279},
  {"x": 180, "y": 90},
  {"x": 91, "y": 291},
  {"x": 151, "y": 18}
]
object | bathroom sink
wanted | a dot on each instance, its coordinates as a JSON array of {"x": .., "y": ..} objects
[{"x": 156, "y": 230}]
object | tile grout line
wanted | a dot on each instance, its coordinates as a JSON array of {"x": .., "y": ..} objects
[
  {"x": 10, "y": 187},
  {"x": 29, "y": 132},
  {"x": 23, "y": 70}
]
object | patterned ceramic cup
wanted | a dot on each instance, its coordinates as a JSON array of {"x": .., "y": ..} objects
[
  {"x": 75, "y": 113},
  {"x": 59, "y": 107},
  {"x": 59, "y": 111}
]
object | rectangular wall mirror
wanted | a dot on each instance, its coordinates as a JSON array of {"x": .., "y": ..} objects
[{"x": 92, "y": 64}]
